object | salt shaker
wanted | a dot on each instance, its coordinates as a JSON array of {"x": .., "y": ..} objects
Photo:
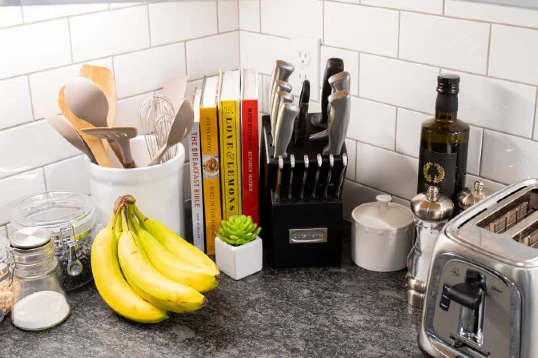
[
  {"x": 432, "y": 210},
  {"x": 39, "y": 301},
  {"x": 467, "y": 198}
]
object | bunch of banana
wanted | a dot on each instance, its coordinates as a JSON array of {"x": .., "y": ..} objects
[
  {"x": 238, "y": 230},
  {"x": 143, "y": 270}
]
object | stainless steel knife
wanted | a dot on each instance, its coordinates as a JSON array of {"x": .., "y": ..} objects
[
  {"x": 279, "y": 178},
  {"x": 281, "y": 71},
  {"x": 299, "y": 131},
  {"x": 338, "y": 122},
  {"x": 281, "y": 97},
  {"x": 333, "y": 66},
  {"x": 292, "y": 168},
  {"x": 305, "y": 175},
  {"x": 316, "y": 179},
  {"x": 342, "y": 175},
  {"x": 329, "y": 175},
  {"x": 319, "y": 136},
  {"x": 284, "y": 127}
]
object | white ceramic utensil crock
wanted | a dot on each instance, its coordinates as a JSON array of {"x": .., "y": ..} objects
[{"x": 382, "y": 235}]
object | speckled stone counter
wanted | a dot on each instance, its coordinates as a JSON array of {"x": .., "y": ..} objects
[{"x": 302, "y": 312}]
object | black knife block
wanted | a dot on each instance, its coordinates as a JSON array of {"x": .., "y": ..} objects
[{"x": 297, "y": 232}]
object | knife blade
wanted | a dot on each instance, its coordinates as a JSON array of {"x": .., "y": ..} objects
[
  {"x": 319, "y": 136},
  {"x": 340, "y": 82},
  {"x": 342, "y": 175},
  {"x": 281, "y": 97},
  {"x": 338, "y": 122},
  {"x": 279, "y": 178},
  {"x": 292, "y": 167},
  {"x": 300, "y": 122},
  {"x": 305, "y": 174},
  {"x": 284, "y": 127},
  {"x": 281, "y": 71},
  {"x": 316, "y": 178},
  {"x": 332, "y": 67},
  {"x": 329, "y": 175}
]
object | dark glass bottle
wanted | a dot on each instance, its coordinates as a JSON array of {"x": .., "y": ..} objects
[{"x": 444, "y": 141}]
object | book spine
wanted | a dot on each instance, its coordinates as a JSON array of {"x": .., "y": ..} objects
[
  {"x": 249, "y": 156},
  {"x": 229, "y": 131},
  {"x": 209, "y": 141},
  {"x": 197, "y": 195}
]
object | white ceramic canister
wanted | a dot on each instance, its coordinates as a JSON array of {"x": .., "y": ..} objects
[
  {"x": 158, "y": 189},
  {"x": 382, "y": 235}
]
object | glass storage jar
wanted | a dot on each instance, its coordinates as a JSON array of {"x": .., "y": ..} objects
[
  {"x": 70, "y": 217},
  {"x": 6, "y": 287},
  {"x": 39, "y": 301}
]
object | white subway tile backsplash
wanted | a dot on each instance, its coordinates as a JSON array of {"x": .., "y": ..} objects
[
  {"x": 68, "y": 175},
  {"x": 153, "y": 67},
  {"x": 496, "y": 104},
  {"x": 265, "y": 94},
  {"x": 45, "y": 85},
  {"x": 361, "y": 28},
  {"x": 387, "y": 171},
  {"x": 508, "y": 159},
  {"x": 285, "y": 18},
  {"x": 18, "y": 187},
  {"x": 249, "y": 15},
  {"x": 228, "y": 15},
  {"x": 474, "y": 150},
  {"x": 489, "y": 185},
  {"x": 429, "y": 6},
  {"x": 202, "y": 62},
  {"x": 35, "y": 13},
  {"x": 109, "y": 33},
  {"x": 31, "y": 145},
  {"x": 3, "y": 231},
  {"x": 16, "y": 105},
  {"x": 408, "y": 131},
  {"x": 510, "y": 15},
  {"x": 513, "y": 54},
  {"x": 34, "y": 47},
  {"x": 261, "y": 51},
  {"x": 351, "y": 151},
  {"x": 535, "y": 136},
  {"x": 10, "y": 16},
  {"x": 351, "y": 64},
  {"x": 119, "y": 5},
  {"x": 373, "y": 123},
  {"x": 452, "y": 43},
  {"x": 128, "y": 111},
  {"x": 399, "y": 83},
  {"x": 181, "y": 20}
]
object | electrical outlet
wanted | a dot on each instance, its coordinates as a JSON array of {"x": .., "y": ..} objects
[{"x": 305, "y": 57}]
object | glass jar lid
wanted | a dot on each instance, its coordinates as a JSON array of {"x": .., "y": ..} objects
[
  {"x": 30, "y": 238},
  {"x": 55, "y": 211}
]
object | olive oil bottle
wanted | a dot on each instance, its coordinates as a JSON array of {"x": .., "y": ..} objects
[{"x": 444, "y": 141}]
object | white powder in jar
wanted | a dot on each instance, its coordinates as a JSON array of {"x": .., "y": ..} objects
[{"x": 40, "y": 310}]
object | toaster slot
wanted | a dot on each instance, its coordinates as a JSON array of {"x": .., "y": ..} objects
[{"x": 527, "y": 234}]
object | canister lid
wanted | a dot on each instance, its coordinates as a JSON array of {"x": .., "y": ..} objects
[
  {"x": 30, "y": 238},
  {"x": 432, "y": 205},
  {"x": 382, "y": 214},
  {"x": 467, "y": 198}
]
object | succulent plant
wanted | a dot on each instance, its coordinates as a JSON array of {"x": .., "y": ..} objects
[{"x": 238, "y": 230}]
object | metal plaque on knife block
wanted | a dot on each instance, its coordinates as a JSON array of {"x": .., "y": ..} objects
[{"x": 301, "y": 229}]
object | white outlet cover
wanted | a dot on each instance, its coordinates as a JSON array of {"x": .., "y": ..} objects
[{"x": 305, "y": 56}]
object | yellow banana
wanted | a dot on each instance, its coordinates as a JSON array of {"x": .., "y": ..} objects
[
  {"x": 111, "y": 284},
  {"x": 144, "y": 276},
  {"x": 172, "y": 242}
]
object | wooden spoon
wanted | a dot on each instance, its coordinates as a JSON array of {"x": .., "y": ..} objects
[
  {"x": 103, "y": 78},
  {"x": 95, "y": 144},
  {"x": 179, "y": 129}
]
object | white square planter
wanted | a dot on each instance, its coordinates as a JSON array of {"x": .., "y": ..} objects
[{"x": 239, "y": 261}]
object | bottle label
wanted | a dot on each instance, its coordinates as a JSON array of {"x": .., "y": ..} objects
[{"x": 437, "y": 169}]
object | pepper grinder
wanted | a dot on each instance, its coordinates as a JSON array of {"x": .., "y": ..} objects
[
  {"x": 467, "y": 198},
  {"x": 432, "y": 210}
]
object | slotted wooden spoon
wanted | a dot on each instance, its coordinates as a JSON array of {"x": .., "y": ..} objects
[{"x": 95, "y": 144}]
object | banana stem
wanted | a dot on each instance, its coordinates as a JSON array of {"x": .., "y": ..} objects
[
  {"x": 117, "y": 226},
  {"x": 141, "y": 217},
  {"x": 132, "y": 219}
]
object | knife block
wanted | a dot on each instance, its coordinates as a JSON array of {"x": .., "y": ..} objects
[{"x": 297, "y": 232}]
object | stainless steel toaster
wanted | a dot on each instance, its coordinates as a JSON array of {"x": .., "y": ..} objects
[{"x": 482, "y": 297}]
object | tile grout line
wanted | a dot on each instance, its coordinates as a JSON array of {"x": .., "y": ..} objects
[
  {"x": 31, "y": 99},
  {"x": 489, "y": 49},
  {"x": 535, "y": 115},
  {"x": 217, "y": 11},
  {"x": 480, "y": 152},
  {"x": 70, "y": 41},
  {"x": 396, "y": 129},
  {"x": 399, "y": 34},
  {"x": 260, "y": 15},
  {"x": 42, "y": 166},
  {"x": 149, "y": 26}
]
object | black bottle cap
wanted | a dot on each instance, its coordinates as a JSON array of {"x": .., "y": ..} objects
[{"x": 448, "y": 83}]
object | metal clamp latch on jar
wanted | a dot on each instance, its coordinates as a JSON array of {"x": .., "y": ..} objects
[{"x": 74, "y": 266}]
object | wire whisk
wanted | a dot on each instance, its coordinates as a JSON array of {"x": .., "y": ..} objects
[{"x": 156, "y": 115}]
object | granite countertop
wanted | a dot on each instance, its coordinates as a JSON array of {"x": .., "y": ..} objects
[{"x": 341, "y": 311}]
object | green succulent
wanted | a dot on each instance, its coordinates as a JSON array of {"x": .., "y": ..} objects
[{"x": 238, "y": 230}]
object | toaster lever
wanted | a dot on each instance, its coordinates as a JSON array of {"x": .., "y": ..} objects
[{"x": 468, "y": 294}]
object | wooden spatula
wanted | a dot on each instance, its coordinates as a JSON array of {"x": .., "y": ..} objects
[
  {"x": 103, "y": 77},
  {"x": 96, "y": 145}
]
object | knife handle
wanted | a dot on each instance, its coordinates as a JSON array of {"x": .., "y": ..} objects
[
  {"x": 342, "y": 175},
  {"x": 333, "y": 66},
  {"x": 279, "y": 178}
]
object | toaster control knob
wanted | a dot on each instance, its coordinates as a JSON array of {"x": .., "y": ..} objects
[{"x": 468, "y": 294}]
